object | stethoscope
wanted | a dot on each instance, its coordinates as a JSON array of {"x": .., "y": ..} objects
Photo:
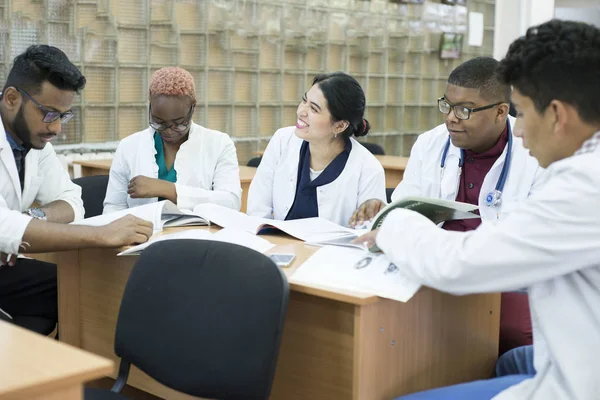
[{"x": 494, "y": 198}]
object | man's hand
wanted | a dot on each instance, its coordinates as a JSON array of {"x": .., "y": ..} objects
[
  {"x": 10, "y": 259},
  {"x": 143, "y": 187},
  {"x": 125, "y": 231},
  {"x": 367, "y": 238},
  {"x": 366, "y": 212}
]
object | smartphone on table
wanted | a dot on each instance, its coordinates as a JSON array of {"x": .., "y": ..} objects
[{"x": 282, "y": 259}]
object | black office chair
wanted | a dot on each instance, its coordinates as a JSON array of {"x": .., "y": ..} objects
[
  {"x": 254, "y": 162},
  {"x": 388, "y": 194},
  {"x": 201, "y": 317},
  {"x": 374, "y": 148},
  {"x": 93, "y": 192}
]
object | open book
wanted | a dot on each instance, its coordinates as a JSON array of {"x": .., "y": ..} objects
[
  {"x": 229, "y": 235},
  {"x": 357, "y": 271},
  {"x": 162, "y": 214},
  {"x": 308, "y": 229},
  {"x": 436, "y": 210}
]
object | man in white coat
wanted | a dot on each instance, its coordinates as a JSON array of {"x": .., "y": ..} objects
[
  {"x": 34, "y": 102},
  {"x": 474, "y": 158},
  {"x": 550, "y": 244}
]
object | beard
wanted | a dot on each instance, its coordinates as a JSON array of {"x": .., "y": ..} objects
[{"x": 19, "y": 128}]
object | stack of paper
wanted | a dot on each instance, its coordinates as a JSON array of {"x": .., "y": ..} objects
[
  {"x": 358, "y": 271},
  {"x": 229, "y": 235}
]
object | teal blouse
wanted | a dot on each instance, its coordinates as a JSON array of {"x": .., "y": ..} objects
[{"x": 163, "y": 173}]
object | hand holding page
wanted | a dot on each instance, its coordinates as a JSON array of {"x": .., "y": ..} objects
[
  {"x": 436, "y": 210},
  {"x": 358, "y": 271}
]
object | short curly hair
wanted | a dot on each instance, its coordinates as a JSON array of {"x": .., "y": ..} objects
[
  {"x": 480, "y": 73},
  {"x": 172, "y": 81},
  {"x": 557, "y": 60}
]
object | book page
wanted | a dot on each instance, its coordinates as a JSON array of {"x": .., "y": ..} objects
[
  {"x": 228, "y": 218},
  {"x": 150, "y": 212},
  {"x": 313, "y": 229},
  {"x": 356, "y": 270}
]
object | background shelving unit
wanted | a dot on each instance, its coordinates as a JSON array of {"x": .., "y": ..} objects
[{"x": 251, "y": 60}]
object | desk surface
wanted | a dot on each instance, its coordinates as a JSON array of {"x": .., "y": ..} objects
[
  {"x": 393, "y": 162},
  {"x": 31, "y": 364},
  {"x": 100, "y": 164}
]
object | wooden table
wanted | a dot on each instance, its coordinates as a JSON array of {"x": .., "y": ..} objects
[
  {"x": 102, "y": 167},
  {"x": 394, "y": 167},
  {"x": 36, "y": 367},
  {"x": 336, "y": 344}
]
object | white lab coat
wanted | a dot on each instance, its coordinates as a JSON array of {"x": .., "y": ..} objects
[
  {"x": 550, "y": 245},
  {"x": 206, "y": 164},
  {"x": 46, "y": 181},
  {"x": 424, "y": 176},
  {"x": 273, "y": 189}
]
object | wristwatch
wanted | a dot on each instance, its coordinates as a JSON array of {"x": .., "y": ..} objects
[{"x": 37, "y": 213}]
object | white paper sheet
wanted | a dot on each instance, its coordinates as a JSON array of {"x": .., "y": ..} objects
[
  {"x": 228, "y": 235},
  {"x": 356, "y": 270}
]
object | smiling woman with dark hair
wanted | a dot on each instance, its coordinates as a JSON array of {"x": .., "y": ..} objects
[
  {"x": 174, "y": 158},
  {"x": 317, "y": 169}
]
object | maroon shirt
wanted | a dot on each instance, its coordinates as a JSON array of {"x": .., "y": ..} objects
[{"x": 475, "y": 168}]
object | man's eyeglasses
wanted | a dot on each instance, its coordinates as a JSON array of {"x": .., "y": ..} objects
[
  {"x": 177, "y": 127},
  {"x": 461, "y": 112},
  {"x": 50, "y": 115}
]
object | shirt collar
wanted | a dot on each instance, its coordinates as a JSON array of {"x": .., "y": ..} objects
[
  {"x": 13, "y": 143},
  {"x": 589, "y": 145}
]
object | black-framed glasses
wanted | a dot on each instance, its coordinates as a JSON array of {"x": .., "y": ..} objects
[
  {"x": 461, "y": 112},
  {"x": 181, "y": 127},
  {"x": 50, "y": 115}
]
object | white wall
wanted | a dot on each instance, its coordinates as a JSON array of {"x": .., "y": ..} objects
[
  {"x": 513, "y": 17},
  {"x": 589, "y": 15}
]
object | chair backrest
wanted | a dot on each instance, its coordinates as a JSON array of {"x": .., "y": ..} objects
[
  {"x": 93, "y": 192},
  {"x": 388, "y": 194},
  {"x": 204, "y": 318},
  {"x": 254, "y": 162},
  {"x": 374, "y": 148}
]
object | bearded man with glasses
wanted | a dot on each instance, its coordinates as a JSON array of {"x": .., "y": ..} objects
[
  {"x": 35, "y": 102},
  {"x": 473, "y": 158},
  {"x": 174, "y": 158}
]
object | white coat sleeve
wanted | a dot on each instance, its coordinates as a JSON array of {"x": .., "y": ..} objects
[
  {"x": 57, "y": 184},
  {"x": 372, "y": 183},
  {"x": 529, "y": 246},
  {"x": 119, "y": 176},
  {"x": 411, "y": 181},
  {"x": 226, "y": 190},
  {"x": 260, "y": 194},
  {"x": 12, "y": 228}
]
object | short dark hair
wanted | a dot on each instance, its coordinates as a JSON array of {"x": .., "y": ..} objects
[
  {"x": 480, "y": 73},
  {"x": 345, "y": 100},
  {"x": 557, "y": 60},
  {"x": 41, "y": 63}
]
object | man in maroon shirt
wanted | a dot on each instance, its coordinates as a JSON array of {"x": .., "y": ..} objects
[{"x": 465, "y": 160}]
